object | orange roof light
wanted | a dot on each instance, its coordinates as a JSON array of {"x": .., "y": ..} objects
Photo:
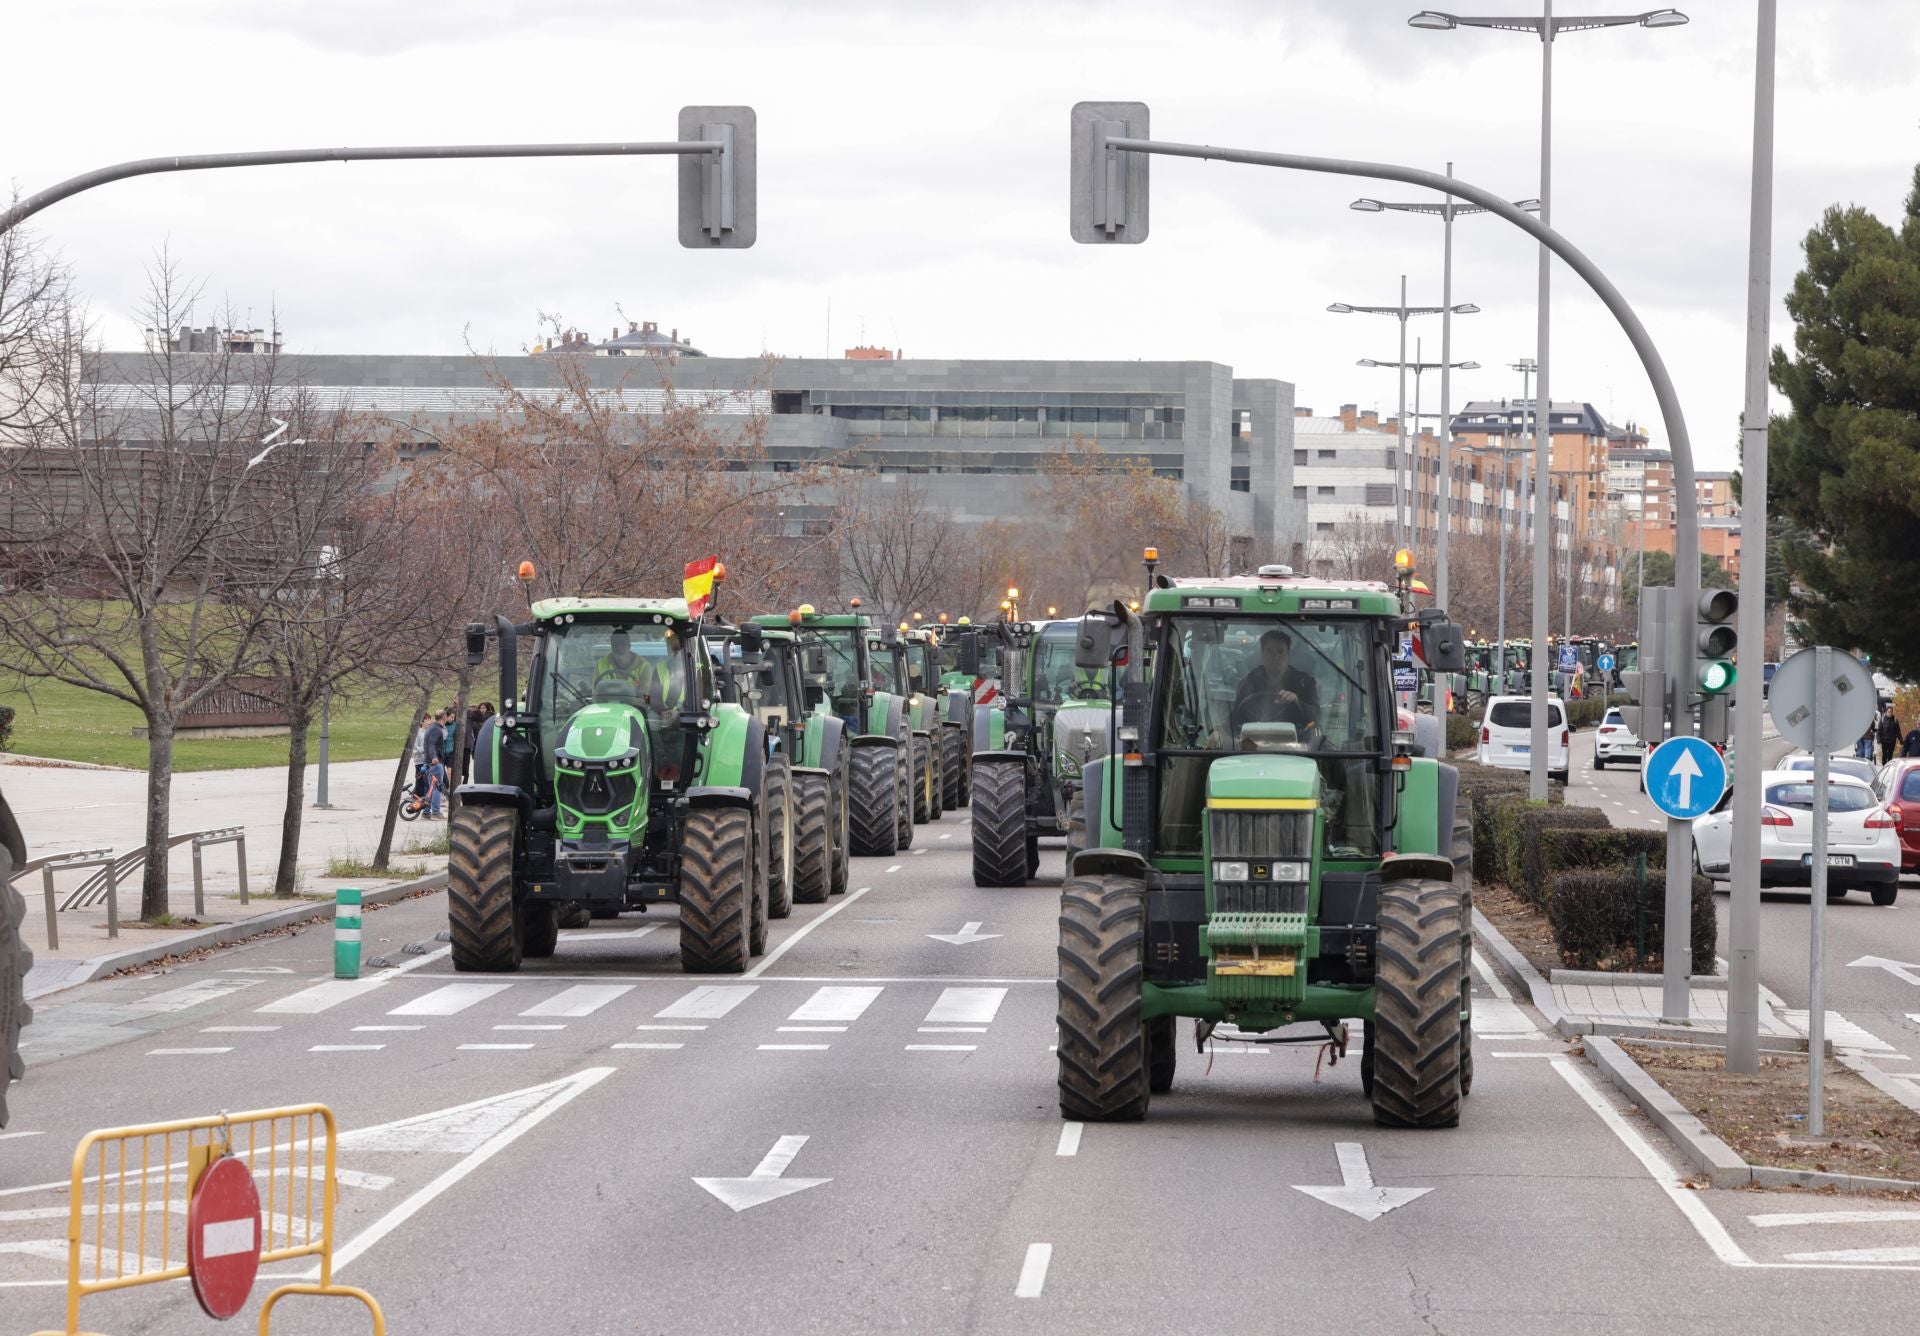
[
  {"x": 919, "y": 616},
  {"x": 943, "y": 619},
  {"x": 526, "y": 572},
  {"x": 1013, "y": 591},
  {"x": 1151, "y": 554},
  {"x": 793, "y": 618},
  {"x": 719, "y": 571},
  {"x": 854, "y": 602},
  {"x": 1403, "y": 559}
]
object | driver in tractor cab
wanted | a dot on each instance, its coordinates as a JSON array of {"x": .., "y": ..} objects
[
  {"x": 1273, "y": 693},
  {"x": 658, "y": 685}
]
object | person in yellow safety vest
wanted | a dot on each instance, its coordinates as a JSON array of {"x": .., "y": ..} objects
[{"x": 656, "y": 685}]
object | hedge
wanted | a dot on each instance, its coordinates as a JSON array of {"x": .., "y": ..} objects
[
  {"x": 7, "y": 717},
  {"x": 1519, "y": 831},
  {"x": 1462, "y": 732},
  {"x": 1569, "y": 847},
  {"x": 1601, "y": 918}
]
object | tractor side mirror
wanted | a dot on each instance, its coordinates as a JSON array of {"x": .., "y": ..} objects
[
  {"x": 753, "y": 638},
  {"x": 816, "y": 661},
  {"x": 1093, "y": 644},
  {"x": 970, "y": 655},
  {"x": 1445, "y": 649},
  {"x": 476, "y": 643}
]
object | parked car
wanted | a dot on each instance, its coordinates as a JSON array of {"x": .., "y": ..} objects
[
  {"x": 1506, "y": 735},
  {"x": 1897, "y": 786},
  {"x": 1853, "y": 767},
  {"x": 1863, "y": 843},
  {"x": 1614, "y": 741}
]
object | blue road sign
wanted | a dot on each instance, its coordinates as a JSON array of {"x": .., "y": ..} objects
[
  {"x": 1685, "y": 777},
  {"x": 1605, "y": 663}
]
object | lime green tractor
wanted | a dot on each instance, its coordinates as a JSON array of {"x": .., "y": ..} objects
[
  {"x": 619, "y": 780},
  {"x": 855, "y": 687},
  {"x": 1265, "y": 848}
]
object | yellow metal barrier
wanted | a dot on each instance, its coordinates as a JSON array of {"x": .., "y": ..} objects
[{"x": 131, "y": 1186}]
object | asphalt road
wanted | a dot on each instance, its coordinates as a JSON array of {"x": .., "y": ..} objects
[{"x": 526, "y": 1153}]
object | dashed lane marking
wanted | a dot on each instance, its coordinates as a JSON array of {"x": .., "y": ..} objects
[
  {"x": 894, "y": 868},
  {"x": 529, "y": 1027},
  {"x": 346, "y": 1048},
  {"x": 1069, "y": 1139},
  {"x": 1778, "y": 1219},
  {"x": 810, "y": 1029},
  {"x": 947, "y": 836},
  {"x": 189, "y": 995},
  {"x": 669, "y": 1027},
  {"x": 239, "y": 1029},
  {"x": 493, "y": 1048},
  {"x": 1033, "y": 1271},
  {"x": 1859, "y": 1255},
  {"x": 385, "y": 1029},
  {"x": 326, "y": 996},
  {"x": 184, "y": 1052},
  {"x": 656, "y": 1045},
  {"x": 918, "y": 852},
  {"x": 941, "y": 1048},
  {"x": 794, "y": 1048},
  {"x": 953, "y": 1029}
]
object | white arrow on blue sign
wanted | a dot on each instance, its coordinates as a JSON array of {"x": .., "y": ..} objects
[
  {"x": 1605, "y": 663},
  {"x": 1685, "y": 777}
]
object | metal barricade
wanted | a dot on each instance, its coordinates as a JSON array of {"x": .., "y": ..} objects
[
  {"x": 49, "y": 864},
  {"x": 102, "y": 883},
  {"x": 126, "y": 1226},
  {"x": 234, "y": 835}
]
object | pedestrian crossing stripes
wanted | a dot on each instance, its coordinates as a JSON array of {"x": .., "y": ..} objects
[
  {"x": 835, "y": 1004},
  {"x": 708, "y": 1002},
  {"x": 966, "y": 1006},
  {"x": 450, "y": 1000},
  {"x": 580, "y": 1000}
]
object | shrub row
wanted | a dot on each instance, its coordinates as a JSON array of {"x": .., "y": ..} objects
[
  {"x": 1519, "y": 826},
  {"x": 7, "y": 717},
  {"x": 1603, "y": 917},
  {"x": 1462, "y": 732}
]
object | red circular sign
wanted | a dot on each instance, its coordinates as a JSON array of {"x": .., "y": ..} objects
[{"x": 223, "y": 1237}]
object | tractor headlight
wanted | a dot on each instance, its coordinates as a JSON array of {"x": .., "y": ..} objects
[{"x": 1229, "y": 871}]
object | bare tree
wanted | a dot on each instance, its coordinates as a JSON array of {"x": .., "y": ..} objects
[
  {"x": 897, "y": 549},
  {"x": 138, "y": 539},
  {"x": 35, "y": 297},
  {"x": 1356, "y": 548},
  {"x": 1106, "y": 508}
]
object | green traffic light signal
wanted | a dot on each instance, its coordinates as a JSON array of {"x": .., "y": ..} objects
[{"x": 1716, "y": 675}]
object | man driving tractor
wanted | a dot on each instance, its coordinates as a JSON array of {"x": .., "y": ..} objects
[{"x": 1273, "y": 693}]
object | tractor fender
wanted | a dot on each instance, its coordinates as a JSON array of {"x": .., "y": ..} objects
[
  {"x": 1417, "y": 826},
  {"x": 719, "y": 795},
  {"x": 1111, "y": 862},
  {"x": 486, "y": 751},
  {"x": 874, "y": 740},
  {"x": 989, "y": 757},
  {"x": 492, "y": 795},
  {"x": 1093, "y": 783},
  {"x": 1415, "y": 867},
  {"x": 734, "y": 750},
  {"x": 831, "y": 738},
  {"x": 1429, "y": 735},
  {"x": 989, "y": 728},
  {"x": 887, "y": 715},
  {"x": 959, "y": 706}
]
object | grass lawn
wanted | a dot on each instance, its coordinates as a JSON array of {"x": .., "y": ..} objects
[{"x": 71, "y": 724}]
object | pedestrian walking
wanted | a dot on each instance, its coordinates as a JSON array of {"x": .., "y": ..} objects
[
  {"x": 1889, "y": 735},
  {"x": 1863, "y": 745},
  {"x": 420, "y": 754},
  {"x": 1911, "y": 747},
  {"x": 436, "y": 785}
]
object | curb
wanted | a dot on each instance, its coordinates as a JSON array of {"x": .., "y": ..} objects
[
  {"x": 1601, "y": 977},
  {"x": 1539, "y": 991},
  {"x": 86, "y": 971}
]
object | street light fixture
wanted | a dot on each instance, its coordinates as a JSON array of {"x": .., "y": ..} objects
[{"x": 1447, "y": 212}]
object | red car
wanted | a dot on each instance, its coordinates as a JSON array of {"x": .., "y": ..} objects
[{"x": 1898, "y": 788}]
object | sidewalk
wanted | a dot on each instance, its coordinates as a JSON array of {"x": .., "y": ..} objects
[{"x": 63, "y": 807}]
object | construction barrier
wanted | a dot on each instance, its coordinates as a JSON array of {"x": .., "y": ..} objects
[{"x": 134, "y": 1205}]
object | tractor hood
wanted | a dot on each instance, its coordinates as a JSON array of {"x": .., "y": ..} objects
[
  {"x": 1243, "y": 779},
  {"x": 604, "y": 732}
]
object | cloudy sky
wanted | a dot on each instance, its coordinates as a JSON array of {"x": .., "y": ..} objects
[{"x": 913, "y": 175}]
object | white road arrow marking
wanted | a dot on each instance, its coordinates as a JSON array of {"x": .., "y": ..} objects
[
  {"x": 1900, "y": 969},
  {"x": 1357, "y": 1195},
  {"x": 1686, "y": 770},
  {"x": 764, "y": 1184},
  {"x": 969, "y": 932}
]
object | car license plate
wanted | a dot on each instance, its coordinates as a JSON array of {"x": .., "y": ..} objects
[
  {"x": 1521, "y": 751},
  {"x": 1833, "y": 860}
]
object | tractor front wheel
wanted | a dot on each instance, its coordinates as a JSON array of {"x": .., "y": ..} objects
[
  {"x": 781, "y": 839},
  {"x": 812, "y": 840},
  {"x": 953, "y": 767},
  {"x": 838, "y": 800},
  {"x": 874, "y": 801},
  {"x": 910, "y": 785},
  {"x": 922, "y": 781},
  {"x": 1417, "y": 1033},
  {"x": 539, "y": 929},
  {"x": 1000, "y": 823},
  {"x": 1163, "y": 1053},
  {"x": 716, "y": 886},
  {"x": 481, "y": 923},
  {"x": 1104, "y": 1056}
]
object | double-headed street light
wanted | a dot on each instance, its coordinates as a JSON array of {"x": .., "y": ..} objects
[
  {"x": 1447, "y": 211},
  {"x": 1416, "y": 367},
  {"x": 1402, "y": 524}
]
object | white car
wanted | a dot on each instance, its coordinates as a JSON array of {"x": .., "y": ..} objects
[
  {"x": 1506, "y": 735},
  {"x": 1614, "y": 741},
  {"x": 1863, "y": 839},
  {"x": 1853, "y": 767}
]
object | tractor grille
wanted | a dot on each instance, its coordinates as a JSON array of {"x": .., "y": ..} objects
[
  {"x": 596, "y": 792},
  {"x": 1259, "y": 838}
]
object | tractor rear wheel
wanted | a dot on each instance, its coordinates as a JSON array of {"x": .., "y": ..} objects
[
  {"x": 539, "y": 929},
  {"x": 1416, "y": 1031},
  {"x": 953, "y": 767},
  {"x": 909, "y": 777},
  {"x": 482, "y": 924},
  {"x": 922, "y": 781},
  {"x": 1104, "y": 1059},
  {"x": 873, "y": 807},
  {"x": 936, "y": 777},
  {"x": 1163, "y": 1053},
  {"x": 840, "y": 832},
  {"x": 781, "y": 839},
  {"x": 812, "y": 840},
  {"x": 574, "y": 914},
  {"x": 757, "y": 894},
  {"x": 1000, "y": 823},
  {"x": 716, "y": 888}
]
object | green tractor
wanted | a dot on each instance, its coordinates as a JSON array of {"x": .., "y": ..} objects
[
  {"x": 1265, "y": 848},
  {"x": 877, "y": 728},
  {"x": 1029, "y": 750},
  {"x": 621, "y": 780},
  {"x": 783, "y": 684},
  {"x": 910, "y": 661}
]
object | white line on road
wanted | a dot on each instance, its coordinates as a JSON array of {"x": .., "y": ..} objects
[
  {"x": 449, "y": 999},
  {"x": 662, "y": 1046},
  {"x": 811, "y": 1029},
  {"x": 1485, "y": 971},
  {"x": 580, "y": 1000},
  {"x": 189, "y": 995},
  {"x": 966, "y": 1006},
  {"x": 669, "y": 1027},
  {"x": 1069, "y": 1139},
  {"x": 794, "y": 1048},
  {"x": 325, "y": 996},
  {"x": 529, "y": 1027},
  {"x": 709, "y": 1002},
  {"x": 767, "y": 960},
  {"x": 183, "y": 1052},
  {"x": 894, "y": 868},
  {"x": 239, "y": 1029},
  {"x": 917, "y": 852},
  {"x": 1779, "y": 1218},
  {"x": 11, "y": 1136},
  {"x": 835, "y": 1004},
  {"x": 1033, "y": 1271},
  {"x": 941, "y": 1048},
  {"x": 385, "y": 1029},
  {"x": 494, "y": 1048},
  {"x": 346, "y": 1048},
  {"x": 1859, "y": 1255},
  {"x": 953, "y": 1029},
  {"x": 1496, "y": 1053},
  {"x": 947, "y": 836}
]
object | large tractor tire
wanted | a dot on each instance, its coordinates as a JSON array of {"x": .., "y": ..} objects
[
  {"x": 936, "y": 777},
  {"x": 909, "y": 779},
  {"x": 953, "y": 767},
  {"x": 782, "y": 837},
  {"x": 1417, "y": 1032},
  {"x": 574, "y": 914},
  {"x": 1163, "y": 1053},
  {"x": 716, "y": 889},
  {"x": 1076, "y": 827},
  {"x": 922, "y": 780},
  {"x": 15, "y": 960},
  {"x": 839, "y": 801},
  {"x": 539, "y": 930},
  {"x": 812, "y": 840},
  {"x": 873, "y": 801},
  {"x": 1000, "y": 823},
  {"x": 482, "y": 923},
  {"x": 757, "y": 897},
  {"x": 1104, "y": 1055}
]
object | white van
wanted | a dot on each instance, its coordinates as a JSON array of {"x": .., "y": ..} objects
[{"x": 1506, "y": 735}]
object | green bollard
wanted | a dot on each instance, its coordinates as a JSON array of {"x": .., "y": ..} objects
[{"x": 346, "y": 934}]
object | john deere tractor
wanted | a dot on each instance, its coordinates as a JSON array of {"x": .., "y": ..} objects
[
  {"x": 1029, "y": 750},
  {"x": 620, "y": 780},
  {"x": 857, "y": 692},
  {"x": 1265, "y": 848}
]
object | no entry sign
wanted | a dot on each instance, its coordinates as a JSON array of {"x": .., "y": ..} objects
[{"x": 223, "y": 1237}]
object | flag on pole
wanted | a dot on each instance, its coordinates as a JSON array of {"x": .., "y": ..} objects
[{"x": 698, "y": 584}]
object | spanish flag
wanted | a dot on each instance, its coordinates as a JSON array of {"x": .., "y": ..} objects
[{"x": 698, "y": 584}]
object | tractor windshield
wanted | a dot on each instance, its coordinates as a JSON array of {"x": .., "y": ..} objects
[
  {"x": 1055, "y": 680},
  {"x": 843, "y": 646},
  {"x": 639, "y": 664},
  {"x": 920, "y": 671}
]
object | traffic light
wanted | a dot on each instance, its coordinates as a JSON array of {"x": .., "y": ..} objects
[
  {"x": 719, "y": 192},
  {"x": 1107, "y": 189},
  {"x": 1646, "y": 718},
  {"x": 1714, "y": 640}
]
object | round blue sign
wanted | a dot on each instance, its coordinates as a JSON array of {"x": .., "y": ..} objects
[
  {"x": 1605, "y": 663},
  {"x": 1685, "y": 777}
]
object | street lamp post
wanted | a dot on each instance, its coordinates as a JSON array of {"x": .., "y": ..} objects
[
  {"x": 1447, "y": 213},
  {"x": 1416, "y": 366},
  {"x": 1525, "y": 367},
  {"x": 1547, "y": 28}
]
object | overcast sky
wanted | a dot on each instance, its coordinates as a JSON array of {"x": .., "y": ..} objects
[{"x": 913, "y": 176}]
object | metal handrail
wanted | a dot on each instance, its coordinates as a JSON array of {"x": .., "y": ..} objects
[{"x": 48, "y": 864}]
